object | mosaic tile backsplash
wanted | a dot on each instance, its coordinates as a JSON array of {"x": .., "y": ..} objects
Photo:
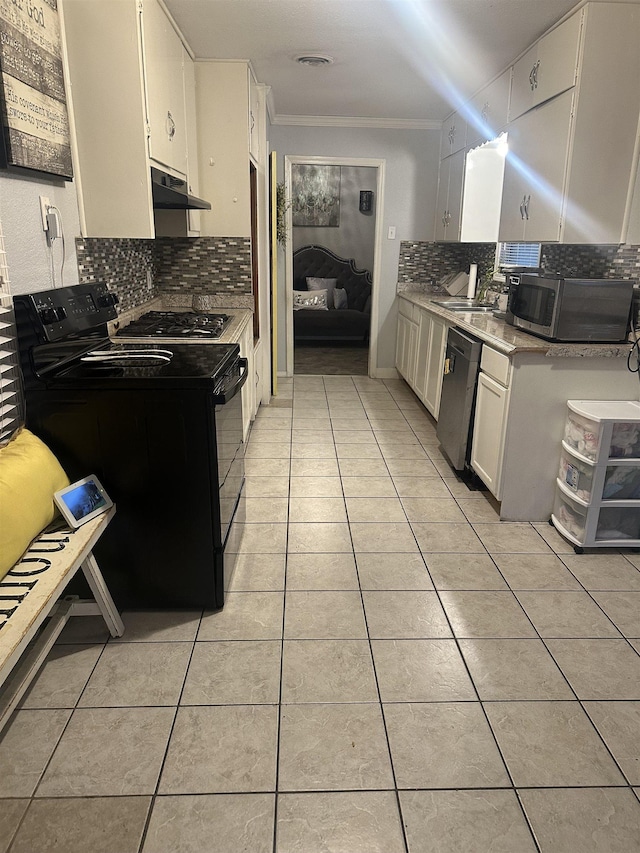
[
  {"x": 422, "y": 264},
  {"x": 139, "y": 270},
  {"x": 126, "y": 266},
  {"x": 203, "y": 265}
]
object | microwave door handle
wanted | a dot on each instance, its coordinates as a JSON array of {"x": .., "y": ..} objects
[{"x": 225, "y": 394}]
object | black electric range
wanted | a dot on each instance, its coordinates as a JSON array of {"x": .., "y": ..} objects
[{"x": 160, "y": 424}]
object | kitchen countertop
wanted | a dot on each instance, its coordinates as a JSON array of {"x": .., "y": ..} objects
[{"x": 505, "y": 338}]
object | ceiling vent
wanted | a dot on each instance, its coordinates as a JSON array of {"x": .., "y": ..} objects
[{"x": 315, "y": 60}]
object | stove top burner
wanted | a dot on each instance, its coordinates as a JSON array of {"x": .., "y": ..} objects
[{"x": 177, "y": 324}]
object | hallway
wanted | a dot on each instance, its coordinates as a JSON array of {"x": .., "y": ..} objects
[{"x": 394, "y": 671}]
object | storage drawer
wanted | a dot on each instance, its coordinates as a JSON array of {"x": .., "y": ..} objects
[
  {"x": 496, "y": 364},
  {"x": 584, "y": 433},
  {"x": 621, "y": 483},
  {"x": 576, "y": 475},
  {"x": 618, "y": 523},
  {"x": 570, "y": 515}
]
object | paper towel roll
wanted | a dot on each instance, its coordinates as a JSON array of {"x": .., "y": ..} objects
[{"x": 473, "y": 276}]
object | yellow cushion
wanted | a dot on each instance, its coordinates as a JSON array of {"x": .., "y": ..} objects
[{"x": 29, "y": 475}]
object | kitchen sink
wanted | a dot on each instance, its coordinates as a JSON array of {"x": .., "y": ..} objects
[{"x": 462, "y": 305}]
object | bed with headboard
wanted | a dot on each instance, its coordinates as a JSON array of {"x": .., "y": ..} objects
[{"x": 331, "y": 297}]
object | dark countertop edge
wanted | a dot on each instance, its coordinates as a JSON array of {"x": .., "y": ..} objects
[{"x": 508, "y": 340}]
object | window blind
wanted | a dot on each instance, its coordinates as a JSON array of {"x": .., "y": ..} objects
[
  {"x": 519, "y": 255},
  {"x": 11, "y": 396}
]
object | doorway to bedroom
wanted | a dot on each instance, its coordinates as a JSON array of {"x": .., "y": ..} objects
[{"x": 331, "y": 264}]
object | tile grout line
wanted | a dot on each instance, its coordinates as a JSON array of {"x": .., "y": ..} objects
[
  {"x": 154, "y": 795},
  {"x": 379, "y": 703}
]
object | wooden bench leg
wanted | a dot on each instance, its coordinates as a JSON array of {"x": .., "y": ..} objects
[
  {"x": 102, "y": 596},
  {"x": 30, "y": 663}
]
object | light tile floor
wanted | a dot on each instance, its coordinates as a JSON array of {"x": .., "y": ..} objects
[{"x": 395, "y": 671}]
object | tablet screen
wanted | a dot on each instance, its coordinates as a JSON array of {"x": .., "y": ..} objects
[{"x": 83, "y": 500}]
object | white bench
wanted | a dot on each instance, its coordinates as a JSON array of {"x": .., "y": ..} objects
[{"x": 30, "y": 592}]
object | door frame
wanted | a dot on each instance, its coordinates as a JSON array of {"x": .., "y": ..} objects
[{"x": 378, "y": 164}]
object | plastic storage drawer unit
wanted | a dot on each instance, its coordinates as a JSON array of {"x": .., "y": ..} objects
[{"x": 598, "y": 487}]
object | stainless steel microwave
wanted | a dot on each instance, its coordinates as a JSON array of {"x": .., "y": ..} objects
[{"x": 571, "y": 309}]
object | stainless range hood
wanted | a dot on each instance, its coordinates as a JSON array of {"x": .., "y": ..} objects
[{"x": 171, "y": 193}]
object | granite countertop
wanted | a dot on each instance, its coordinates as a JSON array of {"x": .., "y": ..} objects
[
  {"x": 231, "y": 335},
  {"x": 504, "y": 338}
]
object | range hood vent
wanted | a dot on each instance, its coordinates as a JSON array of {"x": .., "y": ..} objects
[{"x": 171, "y": 193}]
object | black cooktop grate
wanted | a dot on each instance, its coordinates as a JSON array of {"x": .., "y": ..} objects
[{"x": 177, "y": 324}]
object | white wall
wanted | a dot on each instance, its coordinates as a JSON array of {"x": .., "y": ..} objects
[
  {"x": 412, "y": 161},
  {"x": 28, "y": 256}
]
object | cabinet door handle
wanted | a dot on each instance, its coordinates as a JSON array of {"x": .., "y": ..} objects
[
  {"x": 522, "y": 208},
  {"x": 452, "y": 134},
  {"x": 533, "y": 76},
  {"x": 485, "y": 112},
  {"x": 171, "y": 127},
  {"x": 526, "y": 200}
]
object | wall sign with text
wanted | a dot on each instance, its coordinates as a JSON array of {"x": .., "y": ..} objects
[{"x": 35, "y": 123}]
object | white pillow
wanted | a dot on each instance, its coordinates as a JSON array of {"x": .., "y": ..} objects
[
  {"x": 316, "y": 299},
  {"x": 327, "y": 284}
]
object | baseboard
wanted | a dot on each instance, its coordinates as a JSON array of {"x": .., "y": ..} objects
[{"x": 385, "y": 373}]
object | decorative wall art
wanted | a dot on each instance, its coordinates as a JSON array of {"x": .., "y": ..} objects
[
  {"x": 35, "y": 122},
  {"x": 315, "y": 195}
]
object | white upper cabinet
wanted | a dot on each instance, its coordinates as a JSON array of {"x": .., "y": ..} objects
[
  {"x": 255, "y": 118},
  {"x": 533, "y": 197},
  {"x": 482, "y": 193},
  {"x": 222, "y": 98},
  {"x": 192, "y": 140},
  {"x": 132, "y": 106},
  {"x": 449, "y": 201},
  {"x": 489, "y": 111},
  {"x": 163, "y": 63},
  {"x": 548, "y": 68},
  {"x": 573, "y": 157},
  {"x": 454, "y": 135}
]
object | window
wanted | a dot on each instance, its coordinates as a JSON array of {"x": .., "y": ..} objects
[
  {"x": 11, "y": 403},
  {"x": 518, "y": 254}
]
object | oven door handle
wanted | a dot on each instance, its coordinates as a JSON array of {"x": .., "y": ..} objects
[{"x": 224, "y": 393}]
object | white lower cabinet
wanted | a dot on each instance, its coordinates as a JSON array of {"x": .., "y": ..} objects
[
  {"x": 488, "y": 432},
  {"x": 420, "y": 347},
  {"x": 406, "y": 348},
  {"x": 248, "y": 389},
  {"x": 490, "y": 423},
  {"x": 436, "y": 345}
]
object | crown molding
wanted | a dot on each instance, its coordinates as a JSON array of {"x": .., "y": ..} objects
[{"x": 357, "y": 121}]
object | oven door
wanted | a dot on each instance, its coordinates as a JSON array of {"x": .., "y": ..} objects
[{"x": 229, "y": 442}]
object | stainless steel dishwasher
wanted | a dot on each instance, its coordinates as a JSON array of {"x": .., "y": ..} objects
[{"x": 457, "y": 403}]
